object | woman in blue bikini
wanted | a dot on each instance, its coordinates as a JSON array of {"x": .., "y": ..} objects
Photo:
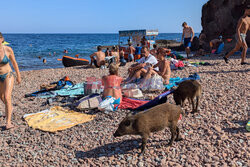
[{"x": 7, "y": 78}]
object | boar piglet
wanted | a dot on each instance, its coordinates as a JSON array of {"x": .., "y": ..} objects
[
  {"x": 151, "y": 120},
  {"x": 188, "y": 89}
]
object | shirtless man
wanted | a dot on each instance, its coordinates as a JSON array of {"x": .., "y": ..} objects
[
  {"x": 187, "y": 35},
  {"x": 241, "y": 33},
  {"x": 215, "y": 43},
  {"x": 164, "y": 67},
  {"x": 98, "y": 58},
  {"x": 131, "y": 51},
  {"x": 154, "y": 51}
]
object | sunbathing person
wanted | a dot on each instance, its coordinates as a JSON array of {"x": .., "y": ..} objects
[
  {"x": 163, "y": 65},
  {"x": 139, "y": 69},
  {"x": 215, "y": 43},
  {"x": 7, "y": 79},
  {"x": 98, "y": 58},
  {"x": 112, "y": 84}
]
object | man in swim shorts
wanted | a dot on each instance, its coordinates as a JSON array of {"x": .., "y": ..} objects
[
  {"x": 241, "y": 33},
  {"x": 98, "y": 58},
  {"x": 131, "y": 51},
  {"x": 188, "y": 35}
]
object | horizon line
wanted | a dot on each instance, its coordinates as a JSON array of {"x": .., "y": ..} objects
[{"x": 83, "y": 33}]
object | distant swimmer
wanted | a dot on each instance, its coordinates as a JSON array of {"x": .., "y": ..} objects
[
  {"x": 44, "y": 61},
  {"x": 187, "y": 35},
  {"x": 241, "y": 33},
  {"x": 65, "y": 51},
  {"x": 39, "y": 57}
]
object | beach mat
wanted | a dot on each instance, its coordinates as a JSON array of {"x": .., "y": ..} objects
[
  {"x": 56, "y": 119},
  {"x": 176, "y": 81},
  {"x": 131, "y": 103},
  {"x": 162, "y": 98}
]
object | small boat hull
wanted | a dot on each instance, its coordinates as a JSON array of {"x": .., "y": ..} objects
[{"x": 71, "y": 61}]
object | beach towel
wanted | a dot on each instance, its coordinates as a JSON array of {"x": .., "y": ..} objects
[
  {"x": 71, "y": 91},
  {"x": 176, "y": 81},
  {"x": 56, "y": 119},
  {"x": 162, "y": 98},
  {"x": 130, "y": 103}
]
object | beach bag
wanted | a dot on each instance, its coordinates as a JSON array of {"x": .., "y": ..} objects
[
  {"x": 133, "y": 93},
  {"x": 107, "y": 104},
  {"x": 89, "y": 102},
  {"x": 93, "y": 86},
  {"x": 153, "y": 84}
]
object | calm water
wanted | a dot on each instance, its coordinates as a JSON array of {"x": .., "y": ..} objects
[{"x": 27, "y": 47}]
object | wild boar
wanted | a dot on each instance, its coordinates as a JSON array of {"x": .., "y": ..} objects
[
  {"x": 188, "y": 89},
  {"x": 151, "y": 120}
]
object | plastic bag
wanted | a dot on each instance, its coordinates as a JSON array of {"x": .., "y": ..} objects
[{"x": 107, "y": 104}]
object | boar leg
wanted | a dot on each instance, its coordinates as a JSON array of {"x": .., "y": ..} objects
[
  {"x": 178, "y": 138},
  {"x": 144, "y": 142},
  {"x": 197, "y": 102},
  {"x": 173, "y": 135},
  {"x": 192, "y": 100}
]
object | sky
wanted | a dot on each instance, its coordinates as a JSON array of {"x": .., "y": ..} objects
[{"x": 98, "y": 16}]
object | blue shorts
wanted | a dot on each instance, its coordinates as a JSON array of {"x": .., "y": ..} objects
[
  {"x": 130, "y": 57},
  {"x": 187, "y": 42}
]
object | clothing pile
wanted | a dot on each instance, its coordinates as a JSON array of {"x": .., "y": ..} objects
[
  {"x": 176, "y": 81},
  {"x": 176, "y": 64},
  {"x": 60, "y": 88}
]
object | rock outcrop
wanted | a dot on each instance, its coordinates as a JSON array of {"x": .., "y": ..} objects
[{"x": 220, "y": 17}]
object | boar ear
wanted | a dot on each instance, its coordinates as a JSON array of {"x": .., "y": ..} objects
[{"x": 127, "y": 123}]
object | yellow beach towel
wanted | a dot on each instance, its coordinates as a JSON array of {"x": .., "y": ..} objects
[{"x": 56, "y": 118}]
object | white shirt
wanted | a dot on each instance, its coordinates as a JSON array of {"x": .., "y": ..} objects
[{"x": 151, "y": 60}]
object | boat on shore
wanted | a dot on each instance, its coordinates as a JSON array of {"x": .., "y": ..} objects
[{"x": 71, "y": 61}]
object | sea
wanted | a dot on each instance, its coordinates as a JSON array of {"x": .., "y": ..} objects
[{"x": 29, "y": 47}]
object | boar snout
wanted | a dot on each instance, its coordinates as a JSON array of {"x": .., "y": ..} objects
[{"x": 116, "y": 134}]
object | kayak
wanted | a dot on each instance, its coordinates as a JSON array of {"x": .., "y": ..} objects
[{"x": 71, "y": 61}]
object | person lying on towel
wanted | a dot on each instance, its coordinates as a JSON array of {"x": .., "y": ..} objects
[
  {"x": 139, "y": 70},
  {"x": 112, "y": 84}
]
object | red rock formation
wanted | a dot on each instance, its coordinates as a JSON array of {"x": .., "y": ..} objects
[{"x": 220, "y": 17}]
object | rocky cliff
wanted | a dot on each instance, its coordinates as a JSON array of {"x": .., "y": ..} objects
[{"x": 220, "y": 17}]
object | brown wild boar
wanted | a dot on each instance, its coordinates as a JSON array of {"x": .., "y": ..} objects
[
  {"x": 151, "y": 120},
  {"x": 188, "y": 89}
]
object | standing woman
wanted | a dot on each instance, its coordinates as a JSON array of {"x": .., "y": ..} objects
[{"x": 7, "y": 78}]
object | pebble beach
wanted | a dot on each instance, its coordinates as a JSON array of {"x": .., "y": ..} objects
[{"x": 215, "y": 136}]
